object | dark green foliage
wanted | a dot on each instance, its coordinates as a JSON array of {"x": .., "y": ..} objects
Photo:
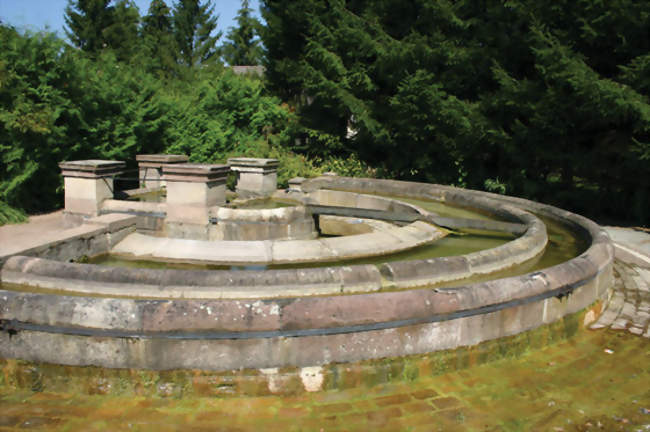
[
  {"x": 242, "y": 46},
  {"x": 358, "y": 71},
  {"x": 35, "y": 77},
  {"x": 547, "y": 99},
  {"x": 224, "y": 115},
  {"x": 86, "y": 21},
  {"x": 570, "y": 133},
  {"x": 194, "y": 21},
  {"x": 56, "y": 104},
  {"x": 96, "y": 25},
  {"x": 9, "y": 215},
  {"x": 159, "y": 44}
]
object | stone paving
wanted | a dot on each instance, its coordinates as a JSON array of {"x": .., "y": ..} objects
[
  {"x": 17, "y": 237},
  {"x": 628, "y": 307}
]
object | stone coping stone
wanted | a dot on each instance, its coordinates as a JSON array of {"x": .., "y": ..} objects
[
  {"x": 338, "y": 198},
  {"x": 243, "y": 162},
  {"x": 297, "y": 181},
  {"x": 253, "y": 165},
  {"x": 159, "y": 160},
  {"x": 113, "y": 221},
  {"x": 91, "y": 168},
  {"x": 195, "y": 173},
  {"x": 92, "y": 227},
  {"x": 404, "y": 274},
  {"x": 183, "y": 284},
  {"x": 323, "y": 312},
  {"x": 51, "y": 239},
  {"x": 141, "y": 208}
]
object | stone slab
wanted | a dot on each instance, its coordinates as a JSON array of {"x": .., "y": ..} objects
[
  {"x": 91, "y": 168},
  {"x": 157, "y": 160},
  {"x": 631, "y": 238},
  {"x": 243, "y": 164},
  {"x": 185, "y": 250},
  {"x": 113, "y": 221},
  {"x": 200, "y": 173}
]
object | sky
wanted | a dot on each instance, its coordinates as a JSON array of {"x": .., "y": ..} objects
[{"x": 36, "y": 15}]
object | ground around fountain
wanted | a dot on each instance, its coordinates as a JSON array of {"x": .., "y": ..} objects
[
  {"x": 593, "y": 381},
  {"x": 23, "y": 236}
]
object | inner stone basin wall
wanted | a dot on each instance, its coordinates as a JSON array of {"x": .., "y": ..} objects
[
  {"x": 304, "y": 331},
  {"x": 290, "y": 223}
]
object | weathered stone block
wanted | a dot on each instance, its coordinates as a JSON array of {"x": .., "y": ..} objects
[
  {"x": 255, "y": 176},
  {"x": 151, "y": 168},
  {"x": 87, "y": 184},
  {"x": 191, "y": 190}
]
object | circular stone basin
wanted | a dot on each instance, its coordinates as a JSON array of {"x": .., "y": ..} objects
[{"x": 79, "y": 314}]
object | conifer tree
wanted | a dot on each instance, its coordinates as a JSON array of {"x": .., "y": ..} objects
[
  {"x": 550, "y": 98},
  {"x": 95, "y": 25},
  {"x": 158, "y": 37},
  {"x": 243, "y": 46},
  {"x": 194, "y": 22},
  {"x": 86, "y": 21}
]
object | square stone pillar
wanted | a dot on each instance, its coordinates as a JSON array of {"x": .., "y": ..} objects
[
  {"x": 191, "y": 190},
  {"x": 255, "y": 177},
  {"x": 87, "y": 184},
  {"x": 151, "y": 168}
]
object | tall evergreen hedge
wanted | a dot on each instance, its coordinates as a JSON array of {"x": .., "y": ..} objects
[{"x": 545, "y": 99}]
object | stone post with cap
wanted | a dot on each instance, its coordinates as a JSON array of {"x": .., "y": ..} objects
[
  {"x": 87, "y": 184},
  {"x": 151, "y": 168},
  {"x": 191, "y": 190},
  {"x": 256, "y": 177}
]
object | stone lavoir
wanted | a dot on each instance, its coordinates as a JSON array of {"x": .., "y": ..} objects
[{"x": 346, "y": 271}]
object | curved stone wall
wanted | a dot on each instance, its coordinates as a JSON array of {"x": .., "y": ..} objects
[
  {"x": 221, "y": 334},
  {"x": 292, "y": 223},
  {"x": 264, "y": 252},
  {"x": 83, "y": 279},
  {"x": 235, "y": 229}
]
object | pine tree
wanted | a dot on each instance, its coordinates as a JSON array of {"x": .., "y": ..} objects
[
  {"x": 242, "y": 46},
  {"x": 122, "y": 35},
  {"x": 361, "y": 67},
  {"x": 194, "y": 22},
  {"x": 548, "y": 97},
  {"x": 158, "y": 37},
  {"x": 86, "y": 20},
  {"x": 95, "y": 25}
]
